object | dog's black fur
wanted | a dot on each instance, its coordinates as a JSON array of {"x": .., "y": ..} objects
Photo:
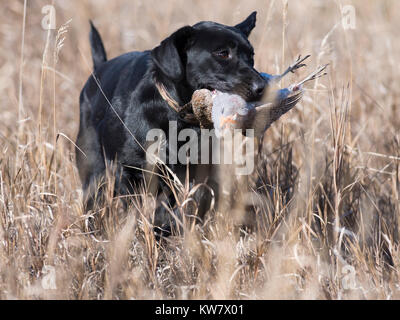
[{"x": 206, "y": 55}]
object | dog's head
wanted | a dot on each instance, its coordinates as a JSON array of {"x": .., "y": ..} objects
[{"x": 212, "y": 56}]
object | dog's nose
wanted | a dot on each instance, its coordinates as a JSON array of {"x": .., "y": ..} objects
[{"x": 258, "y": 88}]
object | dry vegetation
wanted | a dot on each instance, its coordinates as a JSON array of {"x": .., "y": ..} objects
[{"x": 328, "y": 176}]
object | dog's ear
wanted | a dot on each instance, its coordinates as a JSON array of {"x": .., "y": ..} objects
[
  {"x": 169, "y": 54},
  {"x": 247, "y": 25}
]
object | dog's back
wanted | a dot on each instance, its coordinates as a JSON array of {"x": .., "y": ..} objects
[{"x": 103, "y": 100}]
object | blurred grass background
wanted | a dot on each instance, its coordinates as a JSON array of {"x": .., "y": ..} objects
[{"x": 327, "y": 226}]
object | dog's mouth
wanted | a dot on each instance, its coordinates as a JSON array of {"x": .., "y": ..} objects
[
  {"x": 209, "y": 88},
  {"x": 214, "y": 85},
  {"x": 242, "y": 91},
  {"x": 215, "y": 89}
]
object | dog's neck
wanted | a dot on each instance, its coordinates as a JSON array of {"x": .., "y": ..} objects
[
  {"x": 166, "y": 96},
  {"x": 181, "y": 105},
  {"x": 179, "y": 91}
]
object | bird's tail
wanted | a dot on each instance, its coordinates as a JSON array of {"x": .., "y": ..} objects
[{"x": 96, "y": 44}]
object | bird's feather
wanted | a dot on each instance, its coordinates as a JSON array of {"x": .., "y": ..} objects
[{"x": 263, "y": 116}]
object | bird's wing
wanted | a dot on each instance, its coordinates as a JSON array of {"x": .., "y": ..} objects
[{"x": 264, "y": 115}]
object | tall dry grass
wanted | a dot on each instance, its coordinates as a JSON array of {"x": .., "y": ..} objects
[{"x": 327, "y": 184}]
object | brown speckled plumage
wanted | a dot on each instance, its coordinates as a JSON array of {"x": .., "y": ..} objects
[
  {"x": 202, "y": 107},
  {"x": 259, "y": 119}
]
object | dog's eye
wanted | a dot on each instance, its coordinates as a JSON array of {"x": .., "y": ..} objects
[{"x": 223, "y": 54}]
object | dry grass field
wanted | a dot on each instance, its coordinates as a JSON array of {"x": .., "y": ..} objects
[{"x": 327, "y": 184}]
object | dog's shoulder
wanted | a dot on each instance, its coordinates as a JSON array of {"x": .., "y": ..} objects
[{"x": 119, "y": 72}]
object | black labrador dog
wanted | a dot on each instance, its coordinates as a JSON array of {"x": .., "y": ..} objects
[{"x": 121, "y": 101}]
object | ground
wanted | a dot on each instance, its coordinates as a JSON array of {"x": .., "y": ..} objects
[{"x": 328, "y": 175}]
